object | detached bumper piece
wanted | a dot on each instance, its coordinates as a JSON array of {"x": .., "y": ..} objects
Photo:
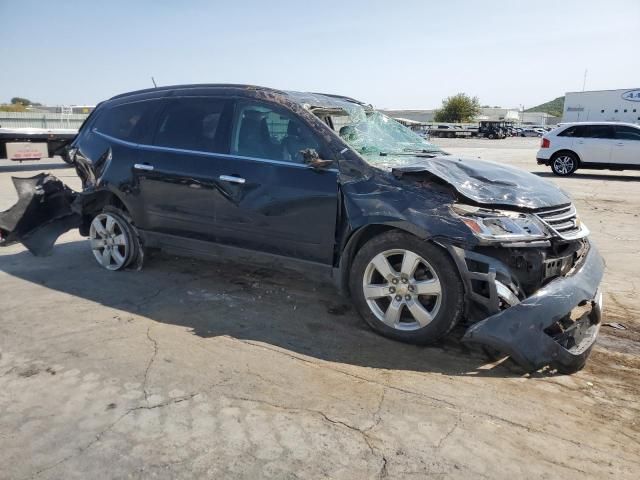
[
  {"x": 557, "y": 326},
  {"x": 44, "y": 211}
]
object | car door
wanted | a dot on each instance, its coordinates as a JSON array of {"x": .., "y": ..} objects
[
  {"x": 268, "y": 198},
  {"x": 177, "y": 175},
  {"x": 593, "y": 143},
  {"x": 626, "y": 150}
]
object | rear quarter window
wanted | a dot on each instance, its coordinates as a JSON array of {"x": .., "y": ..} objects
[
  {"x": 129, "y": 121},
  {"x": 569, "y": 132}
]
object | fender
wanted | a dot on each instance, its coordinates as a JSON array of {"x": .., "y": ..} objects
[{"x": 357, "y": 237}]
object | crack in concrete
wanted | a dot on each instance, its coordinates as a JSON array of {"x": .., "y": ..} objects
[
  {"x": 151, "y": 360},
  {"x": 376, "y": 415},
  {"x": 349, "y": 374},
  {"x": 437, "y": 401},
  {"x": 103, "y": 432},
  {"x": 448, "y": 434},
  {"x": 8, "y": 371},
  {"x": 364, "y": 433}
]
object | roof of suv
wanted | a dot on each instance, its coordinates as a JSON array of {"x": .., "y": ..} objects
[{"x": 316, "y": 99}]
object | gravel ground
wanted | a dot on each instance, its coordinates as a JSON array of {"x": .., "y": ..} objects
[{"x": 192, "y": 369}]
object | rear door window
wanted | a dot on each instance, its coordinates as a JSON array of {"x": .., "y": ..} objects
[
  {"x": 627, "y": 133},
  {"x": 195, "y": 123},
  {"x": 129, "y": 121},
  {"x": 596, "y": 131},
  {"x": 263, "y": 131}
]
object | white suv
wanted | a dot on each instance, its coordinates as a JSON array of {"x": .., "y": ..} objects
[{"x": 601, "y": 145}]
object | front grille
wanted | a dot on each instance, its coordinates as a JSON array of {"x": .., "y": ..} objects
[{"x": 563, "y": 221}]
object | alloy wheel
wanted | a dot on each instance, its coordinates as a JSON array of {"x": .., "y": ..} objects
[
  {"x": 109, "y": 241},
  {"x": 402, "y": 289},
  {"x": 563, "y": 165}
]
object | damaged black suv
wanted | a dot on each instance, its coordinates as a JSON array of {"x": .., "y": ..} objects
[{"x": 420, "y": 239}]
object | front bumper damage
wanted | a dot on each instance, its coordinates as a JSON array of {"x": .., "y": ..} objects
[{"x": 557, "y": 326}]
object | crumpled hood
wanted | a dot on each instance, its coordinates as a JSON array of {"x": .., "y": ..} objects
[{"x": 488, "y": 183}]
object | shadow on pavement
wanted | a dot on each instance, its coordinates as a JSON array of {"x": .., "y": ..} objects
[
  {"x": 285, "y": 309},
  {"x": 592, "y": 176}
]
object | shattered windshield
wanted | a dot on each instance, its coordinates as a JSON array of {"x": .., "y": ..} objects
[{"x": 379, "y": 139}]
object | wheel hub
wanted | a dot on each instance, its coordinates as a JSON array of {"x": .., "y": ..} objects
[
  {"x": 402, "y": 289},
  {"x": 109, "y": 242}
]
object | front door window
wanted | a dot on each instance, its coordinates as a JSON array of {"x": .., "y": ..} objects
[{"x": 265, "y": 132}]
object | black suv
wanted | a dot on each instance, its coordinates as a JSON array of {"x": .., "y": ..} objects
[{"x": 420, "y": 239}]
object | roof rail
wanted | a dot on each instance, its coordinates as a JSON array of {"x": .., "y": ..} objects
[{"x": 195, "y": 85}]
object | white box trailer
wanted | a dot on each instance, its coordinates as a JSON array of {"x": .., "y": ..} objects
[{"x": 621, "y": 105}]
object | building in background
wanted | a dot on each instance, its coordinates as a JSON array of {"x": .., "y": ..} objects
[
  {"x": 495, "y": 114},
  {"x": 602, "y": 105},
  {"x": 486, "y": 113},
  {"x": 421, "y": 116},
  {"x": 538, "y": 118}
]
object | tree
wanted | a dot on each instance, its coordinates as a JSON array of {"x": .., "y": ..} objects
[
  {"x": 459, "y": 108},
  {"x": 20, "y": 101}
]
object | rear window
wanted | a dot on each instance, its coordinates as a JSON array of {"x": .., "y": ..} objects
[{"x": 125, "y": 122}]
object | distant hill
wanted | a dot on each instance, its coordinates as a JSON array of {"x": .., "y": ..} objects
[{"x": 555, "y": 107}]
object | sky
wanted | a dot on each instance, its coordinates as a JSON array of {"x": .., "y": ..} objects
[{"x": 393, "y": 54}]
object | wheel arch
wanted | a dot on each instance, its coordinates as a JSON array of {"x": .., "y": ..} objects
[
  {"x": 565, "y": 151},
  {"x": 362, "y": 235},
  {"x": 95, "y": 202}
]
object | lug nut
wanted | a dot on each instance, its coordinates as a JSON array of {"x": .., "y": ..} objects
[
  {"x": 398, "y": 298},
  {"x": 392, "y": 289},
  {"x": 407, "y": 297},
  {"x": 411, "y": 288},
  {"x": 404, "y": 280},
  {"x": 394, "y": 281}
]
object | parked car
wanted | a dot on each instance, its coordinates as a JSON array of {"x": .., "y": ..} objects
[
  {"x": 530, "y": 132},
  {"x": 420, "y": 240},
  {"x": 591, "y": 145}
]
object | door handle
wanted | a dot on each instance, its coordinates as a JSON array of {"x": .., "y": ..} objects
[
  {"x": 232, "y": 179},
  {"x": 143, "y": 166},
  {"x": 620, "y": 144}
]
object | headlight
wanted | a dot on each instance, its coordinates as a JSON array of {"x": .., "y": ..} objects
[{"x": 500, "y": 225}]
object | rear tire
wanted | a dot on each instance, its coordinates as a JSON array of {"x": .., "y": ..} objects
[
  {"x": 113, "y": 240},
  {"x": 413, "y": 291},
  {"x": 564, "y": 163}
]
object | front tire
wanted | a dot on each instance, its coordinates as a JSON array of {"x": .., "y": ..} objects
[
  {"x": 113, "y": 239},
  {"x": 564, "y": 163},
  {"x": 406, "y": 289}
]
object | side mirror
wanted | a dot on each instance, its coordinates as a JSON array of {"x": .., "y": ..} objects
[{"x": 312, "y": 159}]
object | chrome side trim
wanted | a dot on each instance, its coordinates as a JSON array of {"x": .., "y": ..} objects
[{"x": 155, "y": 148}]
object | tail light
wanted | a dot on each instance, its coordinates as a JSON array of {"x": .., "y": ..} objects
[{"x": 546, "y": 143}]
